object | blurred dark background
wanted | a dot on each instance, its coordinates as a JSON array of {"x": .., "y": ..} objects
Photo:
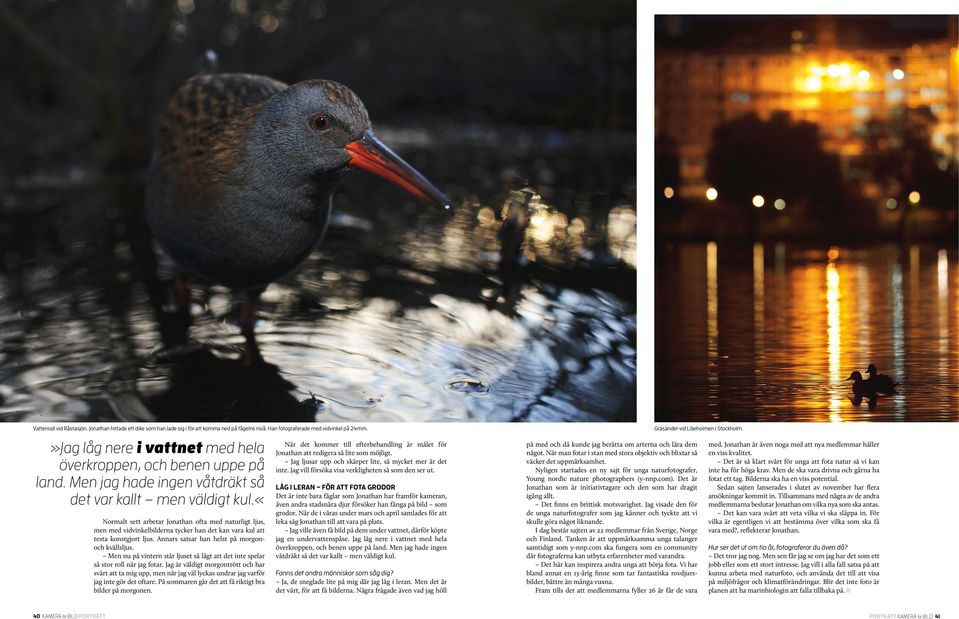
[{"x": 82, "y": 81}]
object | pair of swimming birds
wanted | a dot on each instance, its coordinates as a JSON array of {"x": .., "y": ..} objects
[
  {"x": 239, "y": 187},
  {"x": 876, "y": 383}
]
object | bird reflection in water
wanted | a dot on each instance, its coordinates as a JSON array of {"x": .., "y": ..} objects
[
  {"x": 204, "y": 386},
  {"x": 871, "y": 400}
]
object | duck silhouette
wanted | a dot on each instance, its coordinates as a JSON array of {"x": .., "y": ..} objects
[
  {"x": 860, "y": 387},
  {"x": 876, "y": 383},
  {"x": 880, "y": 382}
]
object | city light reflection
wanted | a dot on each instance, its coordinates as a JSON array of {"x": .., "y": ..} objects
[
  {"x": 834, "y": 338},
  {"x": 942, "y": 271},
  {"x": 712, "y": 325},
  {"x": 899, "y": 332},
  {"x": 863, "y": 335},
  {"x": 792, "y": 335},
  {"x": 942, "y": 307},
  {"x": 759, "y": 305}
]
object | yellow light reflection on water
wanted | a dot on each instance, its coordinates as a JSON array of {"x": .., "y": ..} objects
[
  {"x": 833, "y": 337},
  {"x": 780, "y": 251},
  {"x": 862, "y": 327},
  {"x": 759, "y": 305},
  {"x": 712, "y": 325},
  {"x": 899, "y": 330},
  {"x": 942, "y": 268},
  {"x": 914, "y": 272}
]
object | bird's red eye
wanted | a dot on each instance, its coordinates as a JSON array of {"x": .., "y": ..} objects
[{"x": 319, "y": 122}]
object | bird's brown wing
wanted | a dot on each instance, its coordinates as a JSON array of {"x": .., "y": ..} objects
[{"x": 202, "y": 131}]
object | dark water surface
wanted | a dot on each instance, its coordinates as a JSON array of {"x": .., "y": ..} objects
[
  {"x": 770, "y": 332},
  {"x": 401, "y": 314}
]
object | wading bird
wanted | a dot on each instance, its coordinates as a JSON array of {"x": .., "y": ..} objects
[{"x": 240, "y": 182}]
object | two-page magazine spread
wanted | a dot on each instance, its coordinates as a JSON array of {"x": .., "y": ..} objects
[{"x": 425, "y": 308}]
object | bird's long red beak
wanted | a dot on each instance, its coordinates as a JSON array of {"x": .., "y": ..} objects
[{"x": 369, "y": 154}]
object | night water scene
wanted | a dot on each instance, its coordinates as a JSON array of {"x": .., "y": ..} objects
[
  {"x": 806, "y": 202},
  {"x": 320, "y": 210}
]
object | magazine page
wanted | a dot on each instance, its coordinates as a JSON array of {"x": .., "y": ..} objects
[{"x": 417, "y": 308}]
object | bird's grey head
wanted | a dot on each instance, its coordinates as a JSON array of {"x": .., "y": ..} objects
[
  {"x": 308, "y": 135},
  {"x": 306, "y": 129}
]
